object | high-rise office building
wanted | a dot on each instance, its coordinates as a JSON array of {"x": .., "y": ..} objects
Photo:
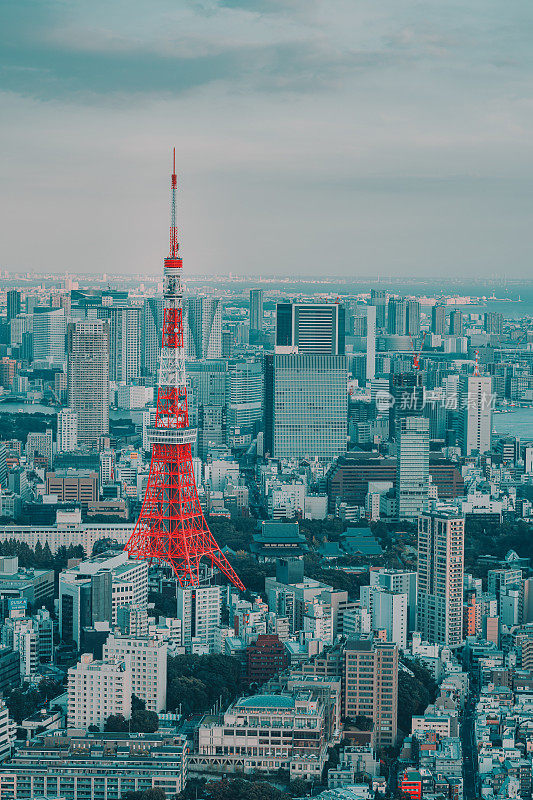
[
  {"x": 406, "y": 398},
  {"x": 456, "y": 323},
  {"x": 493, "y": 322},
  {"x": 306, "y": 406},
  {"x": 474, "y": 402},
  {"x": 311, "y": 328},
  {"x": 49, "y": 335},
  {"x": 413, "y": 317},
  {"x": 378, "y": 298},
  {"x": 124, "y": 343},
  {"x": 412, "y": 481},
  {"x": 151, "y": 331},
  {"x": 363, "y": 330},
  {"x": 88, "y": 378},
  {"x": 440, "y": 577},
  {"x": 13, "y": 304},
  {"x": 370, "y": 685},
  {"x": 148, "y": 664},
  {"x": 397, "y": 316},
  {"x": 97, "y": 690},
  {"x": 256, "y": 309},
  {"x": 67, "y": 430},
  {"x": 438, "y": 319},
  {"x": 203, "y": 327},
  {"x": 244, "y": 402}
]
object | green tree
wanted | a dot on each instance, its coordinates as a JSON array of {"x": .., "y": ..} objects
[
  {"x": 415, "y": 692},
  {"x": 144, "y": 721},
  {"x": 197, "y": 682},
  {"x": 299, "y": 788},
  {"x": 116, "y": 723},
  {"x": 23, "y": 703}
]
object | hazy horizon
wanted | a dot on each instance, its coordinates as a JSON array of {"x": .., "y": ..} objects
[{"x": 313, "y": 138}]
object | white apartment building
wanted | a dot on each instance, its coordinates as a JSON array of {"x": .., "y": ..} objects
[
  {"x": 21, "y": 635},
  {"x": 67, "y": 430},
  {"x": 398, "y": 580},
  {"x": 168, "y": 630},
  {"x": 199, "y": 610},
  {"x": 389, "y": 612},
  {"x": 97, "y": 689},
  {"x": 148, "y": 664},
  {"x": 107, "y": 467},
  {"x": 475, "y": 413},
  {"x": 8, "y": 730},
  {"x": 318, "y": 621}
]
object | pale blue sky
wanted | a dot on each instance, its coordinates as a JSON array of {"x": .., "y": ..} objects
[{"x": 353, "y": 137}]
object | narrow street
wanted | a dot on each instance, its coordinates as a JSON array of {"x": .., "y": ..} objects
[{"x": 469, "y": 754}]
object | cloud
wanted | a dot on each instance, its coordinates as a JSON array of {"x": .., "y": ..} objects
[{"x": 379, "y": 137}]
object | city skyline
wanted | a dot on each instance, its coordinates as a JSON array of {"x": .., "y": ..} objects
[{"x": 385, "y": 143}]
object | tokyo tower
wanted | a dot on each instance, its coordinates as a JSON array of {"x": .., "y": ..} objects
[{"x": 171, "y": 528}]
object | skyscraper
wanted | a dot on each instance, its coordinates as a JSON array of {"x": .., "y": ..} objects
[
  {"x": 49, "y": 335},
  {"x": 13, "y": 304},
  {"x": 438, "y": 319},
  {"x": 88, "y": 378},
  {"x": 306, "y": 406},
  {"x": 456, "y": 323},
  {"x": 312, "y": 328},
  {"x": 406, "y": 398},
  {"x": 440, "y": 578},
  {"x": 493, "y": 322},
  {"x": 378, "y": 298},
  {"x": 203, "y": 327},
  {"x": 475, "y": 413},
  {"x": 363, "y": 329},
  {"x": 244, "y": 402},
  {"x": 412, "y": 481},
  {"x": 397, "y": 316},
  {"x": 413, "y": 317},
  {"x": 370, "y": 342},
  {"x": 256, "y": 309},
  {"x": 124, "y": 343},
  {"x": 151, "y": 332}
]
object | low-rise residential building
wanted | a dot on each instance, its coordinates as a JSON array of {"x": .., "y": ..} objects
[{"x": 95, "y": 765}]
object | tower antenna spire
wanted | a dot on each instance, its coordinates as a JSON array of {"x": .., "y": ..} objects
[
  {"x": 174, "y": 244},
  {"x": 171, "y": 528}
]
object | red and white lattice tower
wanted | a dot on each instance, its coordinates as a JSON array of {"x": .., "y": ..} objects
[{"x": 171, "y": 528}]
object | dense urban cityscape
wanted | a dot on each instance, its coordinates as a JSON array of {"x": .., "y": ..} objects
[{"x": 260, "y": 541}]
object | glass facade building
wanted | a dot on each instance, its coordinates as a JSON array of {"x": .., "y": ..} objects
[{"x": 306, "y": 406}]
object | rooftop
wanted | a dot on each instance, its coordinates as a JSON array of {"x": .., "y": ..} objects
[{"x": 266, "y": 701}]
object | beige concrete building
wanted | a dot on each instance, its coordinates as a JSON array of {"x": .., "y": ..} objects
[
  {"x": 371, "y": 685},
  {"x": 440, "y": 577},
  {"x": 148, "y": 663},
  {"x": 97, "y": 689}
]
